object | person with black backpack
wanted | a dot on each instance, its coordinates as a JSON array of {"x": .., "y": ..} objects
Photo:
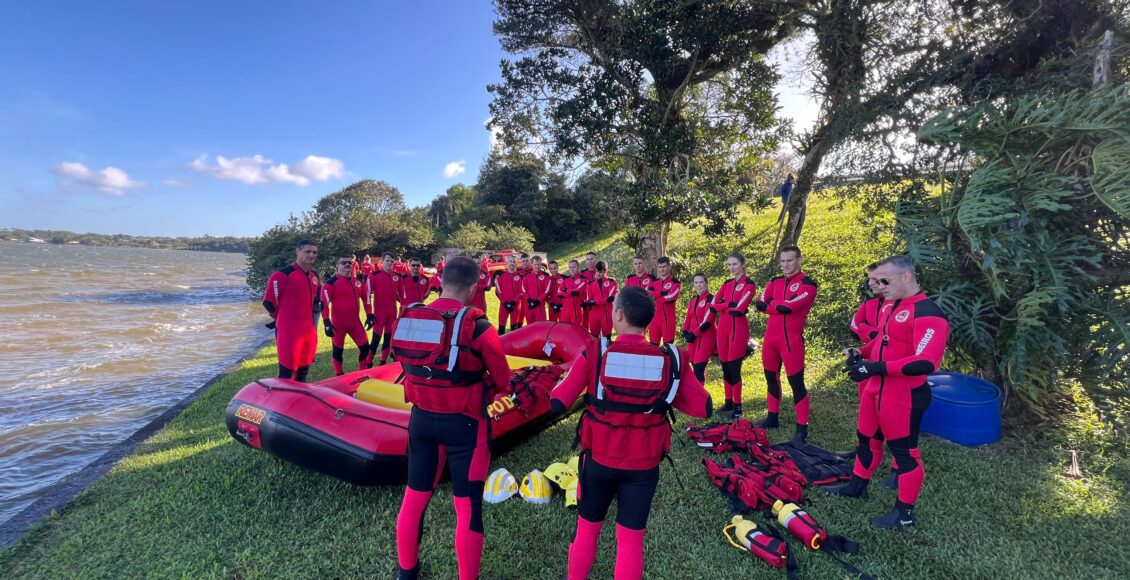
[
  {"x": 448, "y": 351},
  {"x": 624, "y": 431}
]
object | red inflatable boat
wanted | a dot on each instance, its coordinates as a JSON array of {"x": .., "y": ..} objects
[{"x": 355, "y": 427}]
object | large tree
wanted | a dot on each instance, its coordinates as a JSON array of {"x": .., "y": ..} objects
[{"x": 674, "y": 95}]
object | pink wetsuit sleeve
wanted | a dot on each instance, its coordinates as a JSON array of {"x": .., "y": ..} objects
[
  {"x": 692, "y": 397},
  {"x": 574, "y": 383}
]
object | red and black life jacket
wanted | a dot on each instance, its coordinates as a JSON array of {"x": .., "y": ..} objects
[
  {"x": 625, "y": 424},
  {"x": 427, "y": 342}
]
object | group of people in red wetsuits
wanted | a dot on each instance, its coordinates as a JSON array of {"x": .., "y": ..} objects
[{"x": 638, "y": 376}]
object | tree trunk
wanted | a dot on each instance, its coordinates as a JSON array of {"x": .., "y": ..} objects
[
  {"x": 653, "y": 244},
  {"x": 798, "y": 199}
]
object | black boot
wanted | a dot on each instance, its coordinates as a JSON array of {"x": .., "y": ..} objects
[
  {"x": 412, "y": 574},
  {"x": 891, "y": 481},
  {"x": 736, "y": 412},
  {"x": 724, "y": 411},
  {"x": 770, "y": 422},
  {"x": 801, "y": 435},
  {"x": 899, "y": 518},
  {"x": 856, "y": 488}
]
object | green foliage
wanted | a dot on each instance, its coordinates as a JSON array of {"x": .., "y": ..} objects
[
  {"x": 368, "y": 216},
  {"x": 203, "y": 243},
  {"x": 1028, "y": 252},
  {"x": 472, "y": 237}
]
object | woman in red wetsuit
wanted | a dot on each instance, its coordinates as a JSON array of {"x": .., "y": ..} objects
[
  {"x": 731, "y": 305},
  {"x": 699, "y": 328}
]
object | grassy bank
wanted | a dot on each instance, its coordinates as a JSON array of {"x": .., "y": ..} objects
[{"x": 193, "y": 503}]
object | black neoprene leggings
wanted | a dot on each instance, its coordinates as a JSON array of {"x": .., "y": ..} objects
[{"x": 633, "y": 490}]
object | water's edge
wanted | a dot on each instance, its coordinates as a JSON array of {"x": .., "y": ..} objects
[{"x": 61, "y": 493}]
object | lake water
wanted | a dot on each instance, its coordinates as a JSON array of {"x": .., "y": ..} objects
[{"x": 96, "y": 342}]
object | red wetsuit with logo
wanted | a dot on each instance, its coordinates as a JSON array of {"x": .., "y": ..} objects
[
  {"x": 589, "y": 274},
  {"x": 367, "y": 268},
  {"x": 731, "y": 305},
  {"x": 292, "y": 298},
  {"x": 508, "y": 289},
  {"x": 573, "y": 294},
  {"x": 384, "y": 288},
  {"x": 640, "y": 281},
  {"x": 865, "y": 327},
  {"x": 479, "y": 300},
  {"x": 698, "y": 312},
  {"x": 412, "y": 289},
  {"x": 601, "y": 293},
  {"x": 522, "y": 305},
  {"x": 448, "y": 426},
  {"x": 910, "y": 344},
  {"x": 552, "y": 299},
  {"x": 666, "y": 293},
  {"x": 344, "y": 299},
  {"x": 535, "y": 286},
  {"x": 787, "y": 302}
]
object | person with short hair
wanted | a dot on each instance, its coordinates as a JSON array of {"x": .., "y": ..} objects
[
  {"x": 700, "y": 330},
  {"x": 480, "y": 299},
  {"x": 293, "y": 299},
  {"x": 731, "y": 305},
  {"x": 572, "y": 292},
  {"x": 552, "y": 299},
  {"x": 508, "y": 289},
  {"x": 865, "y": 327},
  {"x": 787, "y": 299},
  {"x": 639, "y": 276},
  {"x": 366, "y": 266},
  {"x": 448, "y": 423},
  {"x": 345, "y": 296},
  {"x": 383, "y": 288},
  {"x": 535, "y": 287},
  {"x": 624, "y": 431},
  {"x": 908, "y": 347},
  {"x": 601, "y": 293},
  {"x": 666, "y": 289},
  {"x": 415, "y": 286}
]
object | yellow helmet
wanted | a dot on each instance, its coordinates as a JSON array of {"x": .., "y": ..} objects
[
  {"x": 535, "y": 488},
  {"x": 500, "y": 486},
  {"x": 571, "y": 494},
  {"x": 574, "y": 463},
  {"x": 560, "y": 474}
]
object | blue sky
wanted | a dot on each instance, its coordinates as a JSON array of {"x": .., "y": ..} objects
[{"x": 186, "y": 118}]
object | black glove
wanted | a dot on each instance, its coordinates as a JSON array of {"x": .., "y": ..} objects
[
  {"x": 370, "y": 320},
  {"x": 270, "y": 325},
  {"x": 705, "y": 326},
  {"x": 587, "y": 304},
  {"x": 761, "y": 306},
  {"x": 575, "y": 293},
  {"x": 733, "y": 305},
  {"x": 557, "y": 407},
  {"x": 688, "y": 336},
  {"x": 435, "y": 289},
  {"x": 867, "y": 369},
  {"x": 509, "y": 306},
  {"x": 871, "y": 335},
  {"x": 784, "y": 309},
  {"x": 557, "y": 308},
  {"x": 611, "y": 299},
  {"x": 737, "y": 314},
  {"x": 854, "y": 357},
  {"x": 534, "y": 303},
  {"x": 530, "y": 302},
  {"x": 328, "y": 327}
]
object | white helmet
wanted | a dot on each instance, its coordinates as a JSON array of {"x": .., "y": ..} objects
[{"x": 500, "y": 486}]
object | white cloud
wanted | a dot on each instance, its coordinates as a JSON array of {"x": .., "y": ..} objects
[
  {"x": 175, "y": 183},
  {"x": 258, "y": 169},
  {"x": 495, "y": 135},
  {"x": 110, "y": 180},
  {"x": 455, "y": 168}
]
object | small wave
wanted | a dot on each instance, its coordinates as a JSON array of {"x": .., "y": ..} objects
[{"x": 202, "y": 295}]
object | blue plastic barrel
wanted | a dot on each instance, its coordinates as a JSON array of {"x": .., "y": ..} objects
[{"x": 965, "y": 409}]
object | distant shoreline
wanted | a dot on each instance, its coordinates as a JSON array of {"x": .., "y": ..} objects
[{"x": 225, "y": 244}]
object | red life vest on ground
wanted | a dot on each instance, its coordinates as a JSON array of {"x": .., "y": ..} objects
[
  {"x": 429, "y": 343},
  {"x": 625, "y": 425}
]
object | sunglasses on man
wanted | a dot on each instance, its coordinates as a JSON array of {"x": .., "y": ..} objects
[{"x": 345, "y": 263}]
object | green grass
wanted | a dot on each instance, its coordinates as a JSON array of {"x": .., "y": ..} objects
[{"x": 192, "y": 503}]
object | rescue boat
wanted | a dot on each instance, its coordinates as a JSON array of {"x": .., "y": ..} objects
[{"x": 355, "y": 427}]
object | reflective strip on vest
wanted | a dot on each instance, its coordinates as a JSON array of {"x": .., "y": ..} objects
[
  {"x": 419, "y": 331},
  {"x": 456, "y": 330},
  {"x": 635, "y": 367},
  {"x": 676, "y": 374}
]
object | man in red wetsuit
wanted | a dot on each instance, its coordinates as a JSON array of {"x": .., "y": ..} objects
[
  {"x": 639, "y": 276},
  {"x": 293, "y": 299},
  {"x": 344, "y": 296},
  {"x": 448, "y": 422},
  {"x": 384, "y": 288},
  {"x": 552, "y": 298},
  {"x": 366, "y": 267},
  {"x": 588, "y": 272},
  {"x": 414, "y": 287},
  {"x": 787, "y": 300},
  {"x": 699, "y": 329},
  {"x": 437, "y": 280},
  {"x": 731, "y": 306},
  {"x": 624, "y": 431},
  {"x": 480, "y": 299},
  {"x": 573, "y": 295},
  {"x": 907, "y": 349},
  {"x": 508, "y": 289},
  {"x": 665, "y": 289},
  {"x": 865, "y": 327},
  {"x": 601, "y": 293},
  {"x": 535, "y": 286}
]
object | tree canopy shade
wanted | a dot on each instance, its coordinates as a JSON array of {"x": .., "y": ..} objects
[{"x": 672, "y": 96}]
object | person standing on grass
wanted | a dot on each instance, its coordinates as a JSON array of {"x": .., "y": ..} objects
[
  {"x": 865, "y": 327},
  {"x": 448, "y": 422},
  {"x": 535, "y": 286},
  {"x": 665, "y": 288},
  {"x": 383, "y": 289},
  {"x": 784, "y": 191},
  {"x": 601, "y": 292},
  {"x": 786, "y": 299},
  {"x": 624, "y": 431},
  {"x": 908, "y": 346},
  {"x": 639, "y": 276},
  {"x": 293, "y": 299},
  {"x": 699, "y": 329},
  {"x": 731, "y": 306},
  {"x": 480, "y": 299},
  {"x": 508, "y": 289},
  {"x": 573, "y": 295},
  {"x": 552, "y": 299},
  {"x": 588, "y": 272},
  {"x": 345, "y": 296},
  {"x": 415, "y": 286}
]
